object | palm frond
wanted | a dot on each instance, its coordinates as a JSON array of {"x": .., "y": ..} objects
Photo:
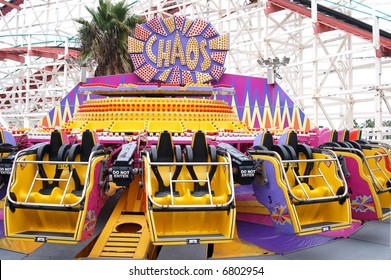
[{"x": 104, "y": 38}]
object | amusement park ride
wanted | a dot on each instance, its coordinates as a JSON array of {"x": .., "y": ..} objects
[{"x": 170, "y": 138}]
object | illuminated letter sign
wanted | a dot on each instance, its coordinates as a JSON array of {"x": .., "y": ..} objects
[{"x": 178, "y": 50}]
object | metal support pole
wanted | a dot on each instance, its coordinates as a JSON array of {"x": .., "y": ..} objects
[
  {"x": 26, "y": 121},
  {"x": 315, "y": 90},
  {"x": 378, "y": 69}
]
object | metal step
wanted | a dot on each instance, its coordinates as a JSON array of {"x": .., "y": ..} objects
[
  {"x": 125, "y": 236},
  {"x": 121, "y": 245}
]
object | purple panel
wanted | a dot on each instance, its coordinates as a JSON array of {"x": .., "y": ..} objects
[
  {"x": 258, "y": 139},
  {"x": 272, "y": 197},
  {"x": 244, "y": 190},
  {"x": 250, "y": 88},
  {"x": 273, "y": 95},
  {"x": 286, "y": 122},
  {"x": 9, "y": 138},
  {"x": 283, "y": 138},
  {"x": 3, "y": 191},
  {"x": 256, "y": 90},
  {"x": 270, "y": 239},
  {"x": 255, "y": 218},
  {"x": 244, "y": 197}
]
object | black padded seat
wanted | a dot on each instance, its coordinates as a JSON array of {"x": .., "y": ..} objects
[
  {"x": 7, "y": 142},
  {"x": 283, "y": 153},
  {"x": 81, "y": 153},
  {"x": 291, "y": 139},
  {"x": 268, "y": 140},
  {"x": 345, "y": 135},
  {"x": 355, "y": 145},
  {"x": 307, "y": 151},
  {"x": 260, "y": 148},
  {"x": 55, "y": 150},
  {"x": 6, "y": 148},
  {"x": 359, "y": 134},
  {"x": 291, "y": 151},
  {"x": 341, "y": 159},
  {"x": 352, "y": 145},
  {"x": 294, "y": 149},
  {"x": 293, "y": 142},
  {"x": 200, "y": 151},
  {"x": 330, "y": 144},
  {"x": 363, "y": 142},
  {"x": 345, "y": 144},
  {"x": 334, "y": 136},
  {"x": 165, "y": 151},
  {"x": 281, "y": 150},
  {"x": 264, "y": 141}
]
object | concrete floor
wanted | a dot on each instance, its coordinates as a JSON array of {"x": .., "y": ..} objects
[{"x": 370, "y": 242}]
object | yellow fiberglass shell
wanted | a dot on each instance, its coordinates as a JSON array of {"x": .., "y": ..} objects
[
  {"x": 317, "y": 213},
  {"x": 277, "y": 184},
  {"x": 378, "y": 160},
  {"x": 307, "y": 218},
  {"x": 366, "y": 187},
  {"x": 59, "y": 226},
  {"x": 178, "y": 226}
]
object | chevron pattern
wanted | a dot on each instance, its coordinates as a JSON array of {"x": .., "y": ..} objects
[{"x": 257, "y": 103}]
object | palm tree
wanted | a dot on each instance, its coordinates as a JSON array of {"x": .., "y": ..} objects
[{"x": 104, "y": 38}]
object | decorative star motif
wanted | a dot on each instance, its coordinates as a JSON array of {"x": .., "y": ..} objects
[
  {"x": 280, "y": 215},
  {"x": 363, "y": 204},
  {"x": 90, "y": 222}
]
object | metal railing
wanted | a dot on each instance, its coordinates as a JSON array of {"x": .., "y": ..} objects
[
  {"x": 291, "y": 164},
  {"x": 382, "y": 135},
  {"x": 174, "y": 206},
  {"x": 375, "y": 181},
  {"x": 72, "y": 167}
]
